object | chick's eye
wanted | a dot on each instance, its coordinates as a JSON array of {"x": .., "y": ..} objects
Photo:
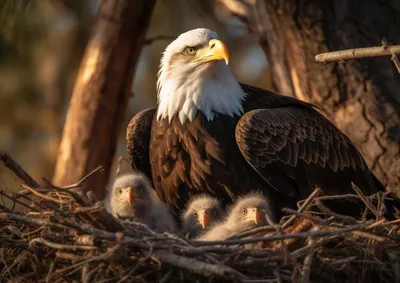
[
  {"x": 140, "y": 188},
  {"x": 119, "y": 191},
  {"x": 214, "y": 212},
  {"x": 244, "y": 211},
  {"x": 191, "y": 50},
  {"x": 194, "y": 213}
]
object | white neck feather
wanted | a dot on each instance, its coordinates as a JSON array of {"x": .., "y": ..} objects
[{"x": 210, "y": 88}]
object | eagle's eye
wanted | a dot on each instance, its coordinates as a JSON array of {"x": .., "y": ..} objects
[
  {"x": 190, "y": 50},
  {"x": 244, "y": 211}
]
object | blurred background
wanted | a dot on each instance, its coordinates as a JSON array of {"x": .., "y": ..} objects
[{"x": 41, "y": 46}]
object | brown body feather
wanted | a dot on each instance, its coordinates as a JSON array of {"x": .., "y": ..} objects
[{"x": 280, "y": 145}]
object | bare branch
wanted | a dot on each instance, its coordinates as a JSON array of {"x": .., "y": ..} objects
[
  {"x": 303, "y": 207},
  {"x": 59, "y": 246},
  {"x": 356, "y": 53},
  {"x": 46, "y": 197},
  {"x": 198, "y": 266},
  {"x": 17, "y": 170},
  {"x": 83, "y": 180},
  {"x": 302, "y": 235},
  {"x": 306, "y": 270}
]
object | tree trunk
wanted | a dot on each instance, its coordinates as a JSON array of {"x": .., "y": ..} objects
[
  {"x": 362, "y": 97},
  {"x": 101, "y": 93}
]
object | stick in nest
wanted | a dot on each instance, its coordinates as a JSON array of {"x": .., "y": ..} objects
[
  {"x": 365, "y": 200},
  {"x": 46, "y": 197},
  {"x": 80, "y": 182},
  {"x": 17, "y": 170},
  {"x": 306, "y": 270},
  {"x": 302, "y": 235},
  {"x": 302, "y": 208}
]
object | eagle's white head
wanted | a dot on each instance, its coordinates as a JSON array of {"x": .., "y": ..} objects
[{"x": 194, "y": 76}]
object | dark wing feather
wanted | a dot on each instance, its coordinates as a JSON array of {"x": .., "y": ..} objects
[
  {"x": 294, "y": 148},
  {"x": 138, "y": 140}
]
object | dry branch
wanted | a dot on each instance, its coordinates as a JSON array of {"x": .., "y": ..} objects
[
  {"x": 17, "y": 170},
  {"x": 357, "y": 53}
]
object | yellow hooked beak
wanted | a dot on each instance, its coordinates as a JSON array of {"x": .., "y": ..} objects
[
  {"x": 203, "y": 218},
  {"x": 216, "y": 50}
]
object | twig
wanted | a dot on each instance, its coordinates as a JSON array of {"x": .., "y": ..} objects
[
  {"x": 328, "y": 212},
  {"x": 6, "y": 209},
  {"x": 376, "y": 224},
  {"x": 338, "y": 197},
  {"x": 306, "y": 249},
  {"x": 187, "y": 242},
  {"x": 302, "y": 207},
  {"x": 167, "y": 275},
  {"x": 38, "y": 204},
  {"x": 17, "y": 201},
  {"x": 310, "y": 217},
  {"x": 251, "y": 232},
  {"x": 83, "y": 180},
  {"x": 50, "y": 271},
  {"x": 46, "y": 197},
  {"x": 148, "y": 256},
  {"x": 103, "y": 256},
  {"x": 75, "y": 195},
  {"x": 17, "y": 170},
  {"x": 369, "y": 236},
  {"x": 85, "y": 209},
  {"x": 306, "y": 270},
  {"x": 396, "y": 61},
  {"x": 30, "y": 220},
  {"x": 197, "y": 266},
  {"x": 70, "y": 256},
  {"x": 301, "y": 235},
  {"x": 365, "y": 200},
  {"x": 89, "y": 274},
  {"x": 23, "y": 193},
  {"x": 357, "y": 53},
  {"x": 60, "y": 246}
]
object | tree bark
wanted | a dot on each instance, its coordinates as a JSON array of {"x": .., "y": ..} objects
[
  {"x": 361, "y": 97},
  {"x": 101, "y": 92}
]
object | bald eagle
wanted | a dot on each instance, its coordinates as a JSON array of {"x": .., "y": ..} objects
[{"x": 211, "y": 134}]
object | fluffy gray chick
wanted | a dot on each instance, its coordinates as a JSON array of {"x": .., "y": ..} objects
[
  {"x": 249, "y": 211},
  {"x": 201, "y": 213},
  {"x": 131, "y": 195}
]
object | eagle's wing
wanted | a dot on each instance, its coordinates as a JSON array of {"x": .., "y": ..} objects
[
  {"x": 138, "y": 139},
  {"x": 295, "y": 149}
]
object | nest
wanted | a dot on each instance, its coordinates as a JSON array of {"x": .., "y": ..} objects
[{"x": 64, "y": 236}]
